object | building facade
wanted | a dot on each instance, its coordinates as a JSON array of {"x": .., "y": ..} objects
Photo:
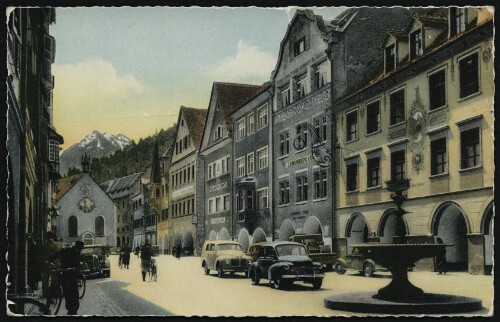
[
  {"x": 163, "y": 224},
  {"x": 183, "y": 198},
  {"x": 425, "y": 116},
  {"x": 216, "y": 151},
  {"x": 252, "y": 155},
  {"x": 87, "y": 213}
]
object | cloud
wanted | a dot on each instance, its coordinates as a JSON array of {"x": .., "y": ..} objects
[{"x": 248, "y": 65}]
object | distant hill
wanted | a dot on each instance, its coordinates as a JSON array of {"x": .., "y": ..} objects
[
  {"x": 95, "y": 144},
  {"x": 134, "y": 158}
]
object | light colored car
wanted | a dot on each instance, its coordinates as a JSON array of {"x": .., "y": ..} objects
[
  {"x": 94, "y": 260},
  {"x": 224, "y": 256},
  {"x": 357, "y": 261}
]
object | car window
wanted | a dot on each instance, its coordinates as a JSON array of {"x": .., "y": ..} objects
[
  {"x": 212, "y": 247},
  {"x": 229, "y": 247},
  {"x": 284, "y": 250}
]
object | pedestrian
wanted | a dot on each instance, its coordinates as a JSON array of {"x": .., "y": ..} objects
[
  {"x": 47, "y": 250},
  {"x": 137, "y": 248},
  {"x": 178, "y": 251},
  {"x": 440, "y": 260},
  {"x": 70, "y": 264},
  {"x": 145, "y": 259},
  {"x": 126, "y": 256}
]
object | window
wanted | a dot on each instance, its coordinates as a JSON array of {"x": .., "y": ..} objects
[
  {"x": 285, "y": 97},
  {"x": 321, "y": 75},
  {"x": 351, "y": 126},
  {"x": 262, "y": 112},
  {"x": 320, "y": 183},
  {"x": 457, "y": 20},
  {"x": 240, "y": 132},
  {"x": 352, "y": 177},
  {"x": 469, "y": 75},
  {"x": 324, "y": 127},
  {"x": 263, "y": 159},
  {"x": 302, "y": 191},
  {"x": 470, "y": 148},
  {"x": 225, "y": 165},
  {"x": 226, "y": 202},
  {"x": 250, "y": 200},
  {"x": 299, "y": 46},
  {"x": 390, "y": 58},
  {"x": 251, "y": 163},
  {"x": 301, "y": 86},
  {"x": 284, "y": 143},
  {"x": 438, "y": 156},
  {"x": 53, "y": 151},
  {"x": 72, "y": 226},
  {"x": 398, "y": 165},
  {"x": 397, "y": 107},
  {"x": 373, "y": 172},
  {"x": 211, "y": 208},
  {"x": 218, "y": 133},
  {"x": 284, "y": 189},
  {"x": 416, "y": 47},
  {"x": 373, "y": 117},
  {"x": 251, "y": 123},
  {"x": 240, "y": 200},
  {"x": 99, "y": 226},
  {"x": 218, "y": 204},
  {"x": 437, "y": 89},
  {"x": 240, "y": 166},
  {"x": 211, "y": 172},
  {"x": 302, "y": 135},
  {"x": 262, "y": 194}
]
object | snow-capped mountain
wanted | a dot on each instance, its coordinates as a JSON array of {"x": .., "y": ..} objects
[{"x": 95, "y": 144}]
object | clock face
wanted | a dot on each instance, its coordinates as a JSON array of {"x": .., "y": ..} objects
[
  {"x": 86, "y": 189},
  {"x": 86, "y": 205}
]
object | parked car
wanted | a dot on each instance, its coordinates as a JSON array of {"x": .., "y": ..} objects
[
  {"x": 224, "y": 256},
  {"x": 316, "y": 249},
  {"x": 253, "y": 250},
  {"x": 155, "y": 250},
  {"x": 357, "y": 261},
  {"x": 94, "y": 260},
  {"x": 284, "y": 262}
]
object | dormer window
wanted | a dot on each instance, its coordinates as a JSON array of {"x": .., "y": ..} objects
[
  {"x": 299, "y": 46},
  {"x": 218, "y": 133},
  {"x": 416, "y": 46},
  {"x": 390, "y": 58},
  {"x": 457, "y": 20}
]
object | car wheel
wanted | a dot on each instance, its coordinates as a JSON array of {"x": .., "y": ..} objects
[
  {"x": 368, "y": 269},
  {"x": 254, "y": 277},
  {"x": 220, "y": 271},
  {"x": 279, "y": 283},
  {"x": 207, "y": 271},
  {"x": 317, "y": 283},
  {"x": 339, "y": 268}
]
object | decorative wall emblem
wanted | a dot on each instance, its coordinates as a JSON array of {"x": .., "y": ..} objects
[
  {"x": 417, "y": 127},
  {"x": 486, "y": 54},
  {"x": 86, "y": 189},
  {"x": 86, "y": 205}
]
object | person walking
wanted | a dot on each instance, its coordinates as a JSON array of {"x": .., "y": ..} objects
[
  {"x": 47, "y": 250},
  {"x": 137, "y": 249},
  {"x": 145, "y": 259},
  {"x": 126, "y": 256},
  {"x": 70, "y": 263},
  {"x": 178, "y": 251},
  {"x": 440, "y": 260}
]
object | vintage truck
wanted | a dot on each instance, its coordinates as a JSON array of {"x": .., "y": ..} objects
[{"x": 316, "y": 249}]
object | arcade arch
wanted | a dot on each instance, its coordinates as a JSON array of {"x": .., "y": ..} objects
[
  {"x": 356, "y": 231},
  {"x": 223, "y": 234},
  {"x": 244, "y": 239},
  {"x": 387, "y": 228},
  {"x": 287, "y": 229},
  {"x": 313, "y": 226}
]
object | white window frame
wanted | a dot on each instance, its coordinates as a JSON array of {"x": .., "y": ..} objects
[
  {"x": 250, "y": 162},
  {"x": 347, "y": 129},
  {"x": 263, "y": 116},
  {"x": 251, "y": 123},
  {"x": 240, "y": 167},
  {"x": 261, "y": 197},
  {"x": 263, "y": 159},
  {"x": 240, "y": 129},
  {"x": 285, "y": 96},
  {"x": 301, "y": 86}
]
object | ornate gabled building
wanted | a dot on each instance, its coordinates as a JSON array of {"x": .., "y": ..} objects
[
  {"x": 87, "y": 213},
  {"x": 424, "y": 114},
  {"x": 120, "y": 190},
  {"x": 184, "y": 178},
  {"x": 216, "y": 157}
]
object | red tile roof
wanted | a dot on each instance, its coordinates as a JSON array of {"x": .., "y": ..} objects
[
  {"x": 195, "y": 119},
  {"x": 64, "y": 184}
]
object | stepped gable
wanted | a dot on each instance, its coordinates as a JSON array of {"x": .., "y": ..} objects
[
  {"x": 65, "y": 184},
  {"x": 231, "y": 96},
  {"x": 117, "y": 188},
  {"x": 195, "y": 119}
]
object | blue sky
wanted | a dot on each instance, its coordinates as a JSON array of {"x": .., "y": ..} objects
[{"x": 128, "y": 70}]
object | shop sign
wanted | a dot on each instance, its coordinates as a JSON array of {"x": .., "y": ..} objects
[
  {"x": 218, "y": 187},
  {"x": 219, "y": 220},
  {"x": 317, "y": 101},
  {"x": 304, "y": 159},
  {"x": 183, "y": 192}
]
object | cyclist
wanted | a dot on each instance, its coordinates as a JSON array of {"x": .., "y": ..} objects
[
  {"x": 70, "y": 263},
  {"x": 49, "y": 248}
]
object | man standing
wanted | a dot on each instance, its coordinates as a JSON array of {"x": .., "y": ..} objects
[
  {"x": 145, "y": 258},
  {"x": 49, "y": 248},
  {"x": 70, "y": 264}
]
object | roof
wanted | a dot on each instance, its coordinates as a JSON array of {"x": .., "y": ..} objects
[
  {"x": 117, "y": 188},
  {"x": 168, "y": 153},
  {"x": 231, "y": 96},
  {"x": 259, "y": 91},
  {"x": 281, "y": 242},
  {"x": 195, "y": 119},
  {"x": 65, "y": 184}
]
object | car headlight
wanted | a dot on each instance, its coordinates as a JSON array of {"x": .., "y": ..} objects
[
  {"x": 228, "y": 261},
  {"x": 286, "y": 267},
  {"x": 249, "y": 261}
]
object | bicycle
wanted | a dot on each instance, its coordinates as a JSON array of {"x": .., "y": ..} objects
[
  {"x": 153, "y": 272},
  {"x": 26, "y": 304},
  {"x": 54, "y": 298}
]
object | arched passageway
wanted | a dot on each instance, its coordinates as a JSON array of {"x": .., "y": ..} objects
[
  {"x": 313, "y": 226},
  {"x": 187, "y": 243},
  {"x": 488, "y": 239},
  {"x": 258, "y": 236},
  {"x": 388, "y": 227},
  {"x": 244, "y": 239},
  {"x": 356, "y": 231},
  {"x": 212, "y": 235},
  {"x": 223, "y": 234},
  {"x": 287, "y": 229},
  {"x": 449, "y": 224}
]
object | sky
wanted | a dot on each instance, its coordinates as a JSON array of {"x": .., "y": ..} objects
[{"x": 128, "y": 70}]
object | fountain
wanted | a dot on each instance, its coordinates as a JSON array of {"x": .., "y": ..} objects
[{"x": 400, "y": 296}]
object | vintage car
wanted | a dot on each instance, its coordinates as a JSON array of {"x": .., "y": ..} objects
[
  {"x": 284, "y": 262},
  {"x": 253, "y": 250},
  {"x": 224, "y": 256},
  {"x": 316, "y": 249},
  {"x": 155, "y": 250},
  {"x": 94, "y": 260},
  {"x": 359, "y": 262}
]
